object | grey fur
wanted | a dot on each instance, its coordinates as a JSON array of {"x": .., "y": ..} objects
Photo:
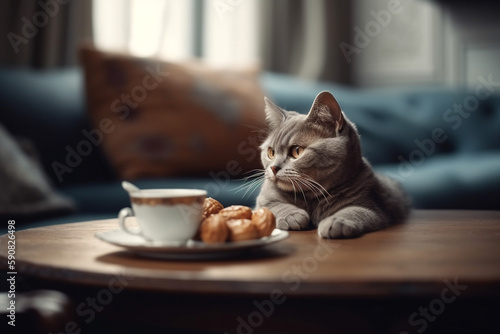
[{"x": 330, "y": 185}]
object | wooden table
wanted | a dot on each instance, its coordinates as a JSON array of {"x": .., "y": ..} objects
[{"x": 447, "y": 262}]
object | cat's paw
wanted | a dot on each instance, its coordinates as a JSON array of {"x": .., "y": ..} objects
[
  {"x": 339, "y": 228},
  {"x": 296, "y": 221}
]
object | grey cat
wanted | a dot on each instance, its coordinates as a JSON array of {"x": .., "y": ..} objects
[{"x": 315, "y": 175}]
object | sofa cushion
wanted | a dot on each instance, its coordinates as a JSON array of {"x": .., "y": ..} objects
[
  {"x": 163, "y": 119},
  {"x": 415, "y": 124},
  {"x": 458, "y": 181}
]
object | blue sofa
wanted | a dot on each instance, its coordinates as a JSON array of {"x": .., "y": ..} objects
[{"x": 444, "y": 156}]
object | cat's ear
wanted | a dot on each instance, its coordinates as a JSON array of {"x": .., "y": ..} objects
[
  {"x": 274, "y": 114},
  {"x": 325, "y": 110}
]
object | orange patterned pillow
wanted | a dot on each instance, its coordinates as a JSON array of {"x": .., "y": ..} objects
[{"x": 173, "y": 119}]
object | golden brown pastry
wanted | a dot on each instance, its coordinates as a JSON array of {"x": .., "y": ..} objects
[
  {"x": 214, "y": 229},
  {"x": 236, "y": 212},
  {"x": 242, "y": 229},
  {"x": 264, "y": 221},
  {"x": 211, "y": 207}
]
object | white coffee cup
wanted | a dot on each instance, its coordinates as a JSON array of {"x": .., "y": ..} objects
[{"x": 165, "y": 215}]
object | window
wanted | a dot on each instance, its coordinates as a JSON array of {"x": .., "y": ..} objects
[{"x": 219, "y": 31}]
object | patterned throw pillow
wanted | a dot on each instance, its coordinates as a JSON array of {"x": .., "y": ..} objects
[
  {"x": 26, "y": 191},
  {"x": 157, "y": 118}
]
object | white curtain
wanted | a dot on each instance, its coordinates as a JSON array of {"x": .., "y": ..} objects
[
  {"x": 218, "y": 31},
  {"x": 231, "y": 31}
]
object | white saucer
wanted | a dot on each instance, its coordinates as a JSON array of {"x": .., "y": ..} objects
[{"x": 189, "y": 250}]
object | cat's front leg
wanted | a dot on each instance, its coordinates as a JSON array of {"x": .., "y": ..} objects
[
  {"x": 350, "y": 222},
  {"x": 288, "y": 216}
]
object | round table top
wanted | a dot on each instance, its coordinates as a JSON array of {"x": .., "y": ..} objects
[{"x": 418, "y": 257}]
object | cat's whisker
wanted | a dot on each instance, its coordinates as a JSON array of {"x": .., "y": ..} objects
[
  {"x": 301, "y": 190},
  {"x": 294, "y": 190},
  {"x": 251, "y": 182},
  {"x": 254, "y": 186},
  {"x": 256, "y": 170},
  {"x": 255, "y": 181},
  {"x": 299, "y": 182},
  {"x": 250, "y": 188},
  {"x": 310, "y": 187},
  {"x": 257, "y": 174},
  {"x": 316, "y": 183},
  {"x": 321, "y": 190},
  {"x": 296, "y": 183},
  {"x": 315, "y": 186}
]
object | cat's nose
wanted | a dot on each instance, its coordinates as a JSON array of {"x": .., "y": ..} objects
[{"x": 275, "y": 169}]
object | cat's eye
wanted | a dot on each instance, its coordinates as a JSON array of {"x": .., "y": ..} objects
[
  {"x": 296, "y": 151},
  {"x": 270, "y": 153}
]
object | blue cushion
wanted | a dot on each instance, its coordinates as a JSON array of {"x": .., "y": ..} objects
[{"x": 459, "y": 181}]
